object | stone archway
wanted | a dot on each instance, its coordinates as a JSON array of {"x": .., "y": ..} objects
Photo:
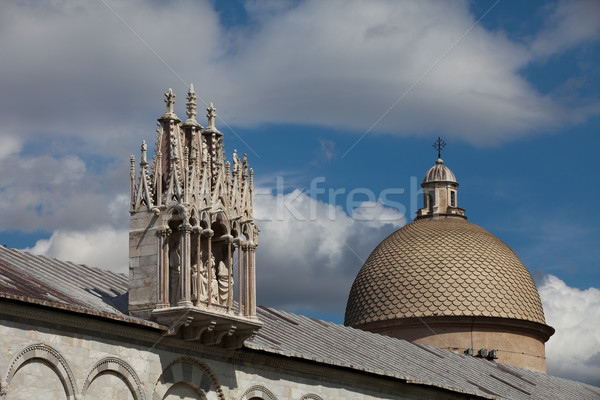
[
  {"x": 120, "y": 368},
  {"x": 188, "y": 372},
  {"x": 258, "y": 392},
  {"x": 46, "y": 356}
]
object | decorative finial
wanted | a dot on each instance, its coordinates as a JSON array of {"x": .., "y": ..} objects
[
  {"x": 132, "y": 166},
  {"x": 170, "y": 100},
  {"x": 439, "y": 144},
  {"x": 211, "y": 116},
  {"x": 191, "y": 104}
]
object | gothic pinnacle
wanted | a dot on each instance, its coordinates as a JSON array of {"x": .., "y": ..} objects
[
  {"x": 191, "y": 104},
  {"x": 191, "y": 108},
  {"x": 211, "y": 115},
  {"x": 170, "y": 100}
]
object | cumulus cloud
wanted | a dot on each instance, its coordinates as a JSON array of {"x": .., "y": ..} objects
[
  {"x": 9, "y": 145},
  {"x": 569, "y": 23},
  {"x": 60, "y": 192},
  {"x": 95, "y": 70},
  {"x": 573, "y": 351},
  {"x": 311, "y": 251},
  {"x": 103, "y": 247}
]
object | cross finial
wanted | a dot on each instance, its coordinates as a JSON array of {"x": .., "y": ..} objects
[
  {"x": 439, "y": 144},
  {"x": 170, "y": 100},
  {"x": 211, "y": 116}
]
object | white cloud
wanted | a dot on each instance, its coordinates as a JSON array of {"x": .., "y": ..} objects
[
  {"x": 9, "y": 145},
  {"x": 103, "y": 247},
  {"x": 574, "y": 350},
  {"x": 96, "y": 73},
  {"x": 311, "y": 251},
  {"x": 570, "y": 23},
  {"x": 51, "y": 193}
]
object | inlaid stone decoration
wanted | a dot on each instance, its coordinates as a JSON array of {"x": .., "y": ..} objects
[{"x": 193, "y": 238}]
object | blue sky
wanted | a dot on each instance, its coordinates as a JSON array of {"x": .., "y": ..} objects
[{"x": 349, "y": 94}]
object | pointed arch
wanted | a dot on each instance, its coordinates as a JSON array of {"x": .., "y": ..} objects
[
  {"x": 236, "y": 229},
  {"x": 176, "y": 211},
  {"x": 205, "y": 221},
  {"x": 221, "y": 224},
  {"x": 246, "y": 231},
  {"x": 120, "y": 368},
  {"x": 50, "y": 356},
  {"x": 187, "y": 370},
  {"x": 194, "y": 217}
]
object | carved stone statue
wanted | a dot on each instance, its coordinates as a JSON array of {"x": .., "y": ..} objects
[
  {"x": 214, "y": 285},
  {"x": 174, "y": 274},
  {"x": 223, "y": 278},
  {"x": 203, "y": 284},
  {"x": 194, "y": 282}
]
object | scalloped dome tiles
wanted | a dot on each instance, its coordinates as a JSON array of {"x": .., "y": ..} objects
[{"x": 442, "y": 266}]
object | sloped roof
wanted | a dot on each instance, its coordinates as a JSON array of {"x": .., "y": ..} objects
[
  {"x": 301, "y": 337},
  {"x": 65, "y": 285},
  {"x": 78, "y": 288}
]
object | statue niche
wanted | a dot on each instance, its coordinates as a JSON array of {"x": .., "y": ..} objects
[
  {"x": 223, "y": 277},
  {"x": 174, "y": 262},
  {"x": 220, "y": 272}
]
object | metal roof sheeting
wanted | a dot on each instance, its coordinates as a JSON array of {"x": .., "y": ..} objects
[
  {"x": 65, "y": 285},
  {"x": 301, "y": 337},
  {"x": 78, "y": 288}
]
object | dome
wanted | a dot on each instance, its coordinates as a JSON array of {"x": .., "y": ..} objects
[
  {"x": 439, "y": 173},
  {"x": 442, "y": 266}
]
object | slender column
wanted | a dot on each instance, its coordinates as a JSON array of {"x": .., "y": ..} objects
[
  {"x": 198, "y": 265},
  {"x": 158, "y": 179},
  {"x": 162, "y": 279},
  {"x": 230, "y": 276},
  {"x": 246, "y": 280},
  {"x": 240, "y": 277},
  {"x": 252, "y": 280},
  {"x": 184, "y": 268},
  {"x": 165, "y": 267},
  {"x": 209, "y": 233},
  {"x": 132, "y": 183}
]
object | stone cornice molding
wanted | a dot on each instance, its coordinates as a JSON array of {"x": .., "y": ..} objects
[{"x": 530, "y": 328}]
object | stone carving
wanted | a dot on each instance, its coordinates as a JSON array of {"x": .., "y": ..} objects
[
  {"x": 120, "y": 368},
  {"x": 171, "y": 375},
  {"x": 203, "y": 289},
  {"x": 223, "y": 280},
  {"x": 194, "y": 282},
  {"x": 174, "y": 274},
  {"x": 191, "y": 185},
  {"x": 258, "y": 392},
  {"x": 49, "y": 355},
  {"x": 214, "y": 284}
]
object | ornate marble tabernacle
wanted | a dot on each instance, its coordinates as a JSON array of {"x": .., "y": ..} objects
[{"x": 193, "y": 238}]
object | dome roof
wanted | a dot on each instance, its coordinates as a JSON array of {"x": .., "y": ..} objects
[
  {"x": 442, "y": 266},
  {"x": 439, "y": 173}
]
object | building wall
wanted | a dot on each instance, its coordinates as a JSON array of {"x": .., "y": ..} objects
[
  {"x": 52, "y": 354},
  {"x": 517, "y": 343}
]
